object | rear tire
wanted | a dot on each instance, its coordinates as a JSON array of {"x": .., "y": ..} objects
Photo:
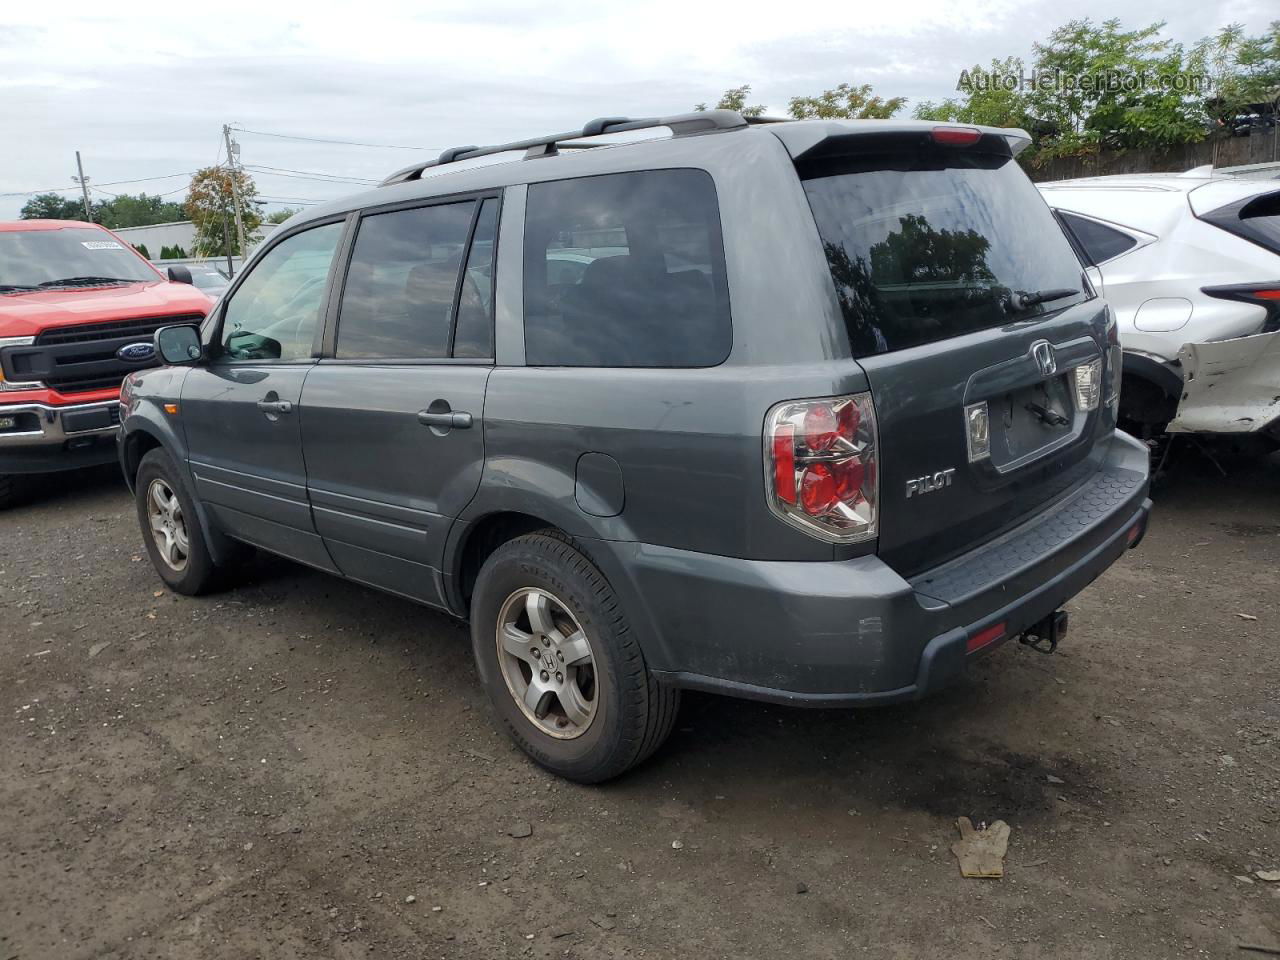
[
  {"x": 171, "y": 528},
  {"x": 606, "y": 713},
  {"x": 8, "y": 490}
]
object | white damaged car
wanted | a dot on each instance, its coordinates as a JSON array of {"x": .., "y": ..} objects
[{"x": 1190, "y": 263}]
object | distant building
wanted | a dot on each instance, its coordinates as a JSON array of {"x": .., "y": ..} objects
[{"x": 181, "y": 233}]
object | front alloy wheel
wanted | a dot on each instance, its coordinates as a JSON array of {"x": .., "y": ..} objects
[
  {"x": 168, "y": 526},
  {"x": 547, "y": 663}
]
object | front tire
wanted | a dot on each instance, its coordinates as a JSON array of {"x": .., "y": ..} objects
[
  {"x": 561, "y": 664},
  {"x": 8, "y": 490},
  {"x": 170, "y": 528}
]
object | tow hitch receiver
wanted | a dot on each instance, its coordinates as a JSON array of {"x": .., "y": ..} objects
[{"x": 1043, "y": 637}]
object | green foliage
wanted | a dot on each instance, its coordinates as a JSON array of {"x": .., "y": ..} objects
[
  {"x": 1097, "y": 101},
  {"x": 735, "y": 98},
  {"x": 174, "y": 252},
  {"x": 280, "y": 216},
  {"x": 988, "y": 100},
  {"x": 845, "y": 101},
  {"x": 52, "y": 206},
  {"x": 210, "y": 205},
  {"x": 1244, "y": 70},
  {"x": 142, "y": 249},
  {"x": 127, "y": 210}
]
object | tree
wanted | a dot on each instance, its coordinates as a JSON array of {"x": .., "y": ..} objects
[
  {"x": 127, "y": 210},
  {"x": 210, "y": 206},
  {"x": 991, "y": 98},
  {"x": 280, "y": 216},
  {"x": 845, "y": 102},
  {"x": 51, "y": 206},
  {"x": 142, "y": 249},
  {"x": 1243, "y": 71},
  {"x": 1101, "y": 86},
  {"x": 735, "y": 98}
]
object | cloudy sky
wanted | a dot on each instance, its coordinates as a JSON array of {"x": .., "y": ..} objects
[{"x": 143, "y": 91}]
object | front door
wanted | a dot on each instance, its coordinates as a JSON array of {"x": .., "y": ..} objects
[
  {"x": 241, "y": 408},
  {"x": 392, "y": 416}
]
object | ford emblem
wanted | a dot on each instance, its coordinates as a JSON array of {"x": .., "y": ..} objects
[{"x": 136, "y": 352}]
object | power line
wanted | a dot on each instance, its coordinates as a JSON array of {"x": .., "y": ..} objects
[
  {"x": 344, "y": 143},
  {"x": 342, "y": 177},
  {"x": 258, "y": 171},
  {"x": 109, "y": 183}
]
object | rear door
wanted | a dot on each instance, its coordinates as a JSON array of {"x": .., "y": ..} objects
[
  {"x": 939, "y": 252},
  {"x": 240, "y": 410},
  {"x": 392, "y": 415}
]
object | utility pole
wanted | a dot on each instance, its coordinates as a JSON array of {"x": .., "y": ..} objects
[
  {"x": 84, "y": 188},
  {"x": 235, "y": 191},
  {"x": 226, "y": 241}
]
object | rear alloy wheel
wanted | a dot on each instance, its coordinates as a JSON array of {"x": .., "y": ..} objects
[
  {"x": 560, "y": 662},
  {"x": 547, "y": 663}
]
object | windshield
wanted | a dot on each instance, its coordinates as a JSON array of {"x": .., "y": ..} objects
[
  {"x": 29, "y": 258},
  {"x": 928, "y": 244}
]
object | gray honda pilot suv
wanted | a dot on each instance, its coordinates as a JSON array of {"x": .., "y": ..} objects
[{"x": 806, "y": 412}]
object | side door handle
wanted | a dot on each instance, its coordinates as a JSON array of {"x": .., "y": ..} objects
[
  {"x": 449, "y": 419},
  {"x": 275, "y": 406}
]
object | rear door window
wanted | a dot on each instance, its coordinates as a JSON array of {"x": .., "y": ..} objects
[
  {"x": 398, "y": 301},
  {"x": 928, "y": 243},
  {"x": 625, "y": 270},
  {"x": 1099, "y": 242}
]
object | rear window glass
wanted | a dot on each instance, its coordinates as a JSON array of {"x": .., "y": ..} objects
[
  {"x": 929, "y": 243},
  {"x": 1256, "y": 219},
  {"x": 1099, "y": 242},
  {"x": 625, "y": 270}
]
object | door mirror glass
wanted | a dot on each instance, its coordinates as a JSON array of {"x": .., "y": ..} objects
[
  {"x": 178, "y": 345},
  {"x": 180, "y": 274}
]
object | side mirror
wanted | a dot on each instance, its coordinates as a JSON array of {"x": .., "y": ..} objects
[
  {"x": 178, "y": 345},
  {"x": 179, "y": 274}
]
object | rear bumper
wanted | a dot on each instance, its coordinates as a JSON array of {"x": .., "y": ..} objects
[
  {"x": 1230, "y": 386},
  {"x": 45, "y": 439},
  {"x": 855, "y": 633}
]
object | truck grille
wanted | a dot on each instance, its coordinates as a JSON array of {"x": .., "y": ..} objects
[{"x": 82, "y": 358}]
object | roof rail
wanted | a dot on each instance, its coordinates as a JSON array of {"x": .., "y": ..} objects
[{"x": 681, "y": 125}]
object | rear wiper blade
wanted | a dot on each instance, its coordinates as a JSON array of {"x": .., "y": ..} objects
[
  {"x": 71, "y": 281},
  {"x": 1019, "y": 301}
]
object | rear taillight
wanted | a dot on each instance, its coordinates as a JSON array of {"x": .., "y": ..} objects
[
  {"x": 1115, "y": 361},
  {"x": 820, "y": 458},
  {"x": 1087, "y": 379},
  {"x": 1265, "y": 295}
]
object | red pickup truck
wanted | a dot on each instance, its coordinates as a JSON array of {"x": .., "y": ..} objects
[{"x": 78, "y": 307}]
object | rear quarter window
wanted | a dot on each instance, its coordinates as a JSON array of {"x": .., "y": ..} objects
[
  {"x": 1099, "y": 242},
  {"x": 625, "y": 270}
]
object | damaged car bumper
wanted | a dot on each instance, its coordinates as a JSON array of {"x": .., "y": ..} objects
[{"x": 1230, "y": 386}]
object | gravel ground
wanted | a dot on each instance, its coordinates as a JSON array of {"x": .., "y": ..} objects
[{"x": 302, "y": 768}]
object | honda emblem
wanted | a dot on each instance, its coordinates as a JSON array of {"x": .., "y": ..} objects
[{"x": 1045, "y": 357}]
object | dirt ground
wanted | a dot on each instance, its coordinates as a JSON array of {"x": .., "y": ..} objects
[{"x": 304, "y": 768}]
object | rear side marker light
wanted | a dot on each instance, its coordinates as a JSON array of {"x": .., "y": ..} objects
[
  {"x": 956, "y": 136},
  {"x": 984, "y": 638},
  {"x": 820, "y": 461}
]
